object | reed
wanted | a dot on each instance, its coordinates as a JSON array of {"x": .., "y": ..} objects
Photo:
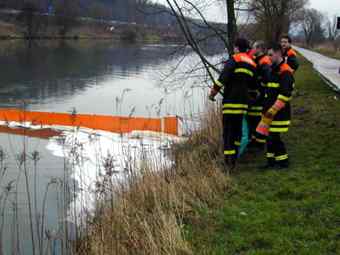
[
  {"x": 148, "y": 216},
  {"x": 145, "y": 214}
]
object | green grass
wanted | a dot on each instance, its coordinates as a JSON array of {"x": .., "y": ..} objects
[{"x": 284, "y": 212}]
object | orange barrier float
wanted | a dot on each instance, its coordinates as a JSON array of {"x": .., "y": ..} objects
[
  {"x": 168, "y": 125},
  {"x": 44, "y": 133}
]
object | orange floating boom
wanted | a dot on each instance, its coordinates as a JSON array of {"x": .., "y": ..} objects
[
  {"x": 44, "y": 133},
  {"x": 115, "y": 124}
]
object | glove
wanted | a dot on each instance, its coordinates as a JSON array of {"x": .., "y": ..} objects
[
  {"x": 267, "y": 118},
  {"x": 271, "y": 113},
  {"x": 263, "y": 127},
  {"x": 212, "y": 98}
]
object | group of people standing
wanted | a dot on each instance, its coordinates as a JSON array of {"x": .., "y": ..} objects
[{"x": 258, "y": 83}]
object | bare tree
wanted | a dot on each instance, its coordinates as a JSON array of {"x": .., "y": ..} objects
[
  {"x": 232, "y": 28},
  {"x": 178, "y": 12},
  {"x": 275, "y": 16},
  {"x": 66, "y": 12},
  {"x": 98, "y": 10},
  {"x": 180, "y": 9},
  {"x": 312, "y": 26},
  {"x": 333, "y": 33},
  {"x": 30, "y": 19}
]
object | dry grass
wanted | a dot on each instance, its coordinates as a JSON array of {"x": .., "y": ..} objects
[
  {"x": 149, "y": 216},
  {"x": 7, "y": 29},
  {"x": 328, "y": 49}
]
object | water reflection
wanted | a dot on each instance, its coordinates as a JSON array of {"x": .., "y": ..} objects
[
  {"x": 55, "y": 72},
  {"x": 102, "y": 79},
  {"x": 92, "y": 78}
]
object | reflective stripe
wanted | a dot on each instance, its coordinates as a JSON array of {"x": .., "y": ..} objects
[
  {"x": 245, "y": 106},
  {"x": 245, "y": 71},
  {"x": 281, "y": 158},
  {"x": 273, "y": 85},
  {"x": 234, "y": 111},
  {"x": 255, "y": 114},
  {"x": 260, "y": 140},
  {"x": 278, "y": 130},
  {"x": 231, "y": 152},
  {"x": 280, "y": 123},
  {"x": 284, "y": 98},
  {"x": 218, "y": 83},
  {"x": 237, "y": 143},
  {"x": 256, "y": 108},
  {"x": 270, "y": 155}
]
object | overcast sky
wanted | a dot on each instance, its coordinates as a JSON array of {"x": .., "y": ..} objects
[{"x": 329, "y": 7}]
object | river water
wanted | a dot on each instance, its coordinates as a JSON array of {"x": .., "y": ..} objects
[{"x": 101, "y": 78}]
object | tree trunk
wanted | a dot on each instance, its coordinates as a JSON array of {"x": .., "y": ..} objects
[{"x": 232, "y": 28}]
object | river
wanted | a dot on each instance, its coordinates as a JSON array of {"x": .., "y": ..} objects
[{"x": 100, "y": 78}]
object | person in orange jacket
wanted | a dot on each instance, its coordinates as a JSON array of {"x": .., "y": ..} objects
[
  {"x": 264, "y": 63},
  {"x": 288, "y": 53},
  {"x": 237, "y": 78},
  {"x": 276, "y": 117},
  {"x": 251, "y": 53}
]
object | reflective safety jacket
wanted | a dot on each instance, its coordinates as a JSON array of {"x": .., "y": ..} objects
[
  {"x": 292, "y": 60},
  {"x": 280, "y": 87},
  {"x": 237, "y": 78},
  {"x": 251, "y": 53},
  {"x": 263, "y": 76},
  {"x": 264, "y": 64}
]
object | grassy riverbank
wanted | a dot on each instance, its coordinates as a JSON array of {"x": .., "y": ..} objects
[
  {"x": 195, "y": 209},
  {"x": 289, "y": 212}
]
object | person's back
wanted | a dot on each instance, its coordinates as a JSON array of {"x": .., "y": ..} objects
[
  {"x": 241, "y": 79},
  {"x": 257, "y": 96},
  {"x": 237, "y": 77}
]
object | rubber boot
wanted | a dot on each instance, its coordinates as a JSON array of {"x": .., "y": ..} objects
[
  {"x": 271, "y": 164},
  {"x": 282, "y": 164},
  {"x": 230, "y": 163}
]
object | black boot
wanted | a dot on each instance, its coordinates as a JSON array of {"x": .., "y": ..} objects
[
  {"x": 229, "y": 164},
  {"x": 271, "y": 164},
  {"x": 257, "y": 144},
  {"x": 282, "y": 164}
]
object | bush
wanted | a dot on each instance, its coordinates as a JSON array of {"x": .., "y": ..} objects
[{"x": 129, "y": 35}]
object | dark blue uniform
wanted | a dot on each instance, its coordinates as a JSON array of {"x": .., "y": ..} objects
[{"x": 237, "y": 78}]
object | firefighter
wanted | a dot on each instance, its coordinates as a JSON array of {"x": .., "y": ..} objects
[
  {"x": 257, "y": 96},
  {"x": 288, "y": 53},
  {"x": 277, "y": 111},
  {"x": 251, "y": 52},
  {"x": 237, "y": 77}
]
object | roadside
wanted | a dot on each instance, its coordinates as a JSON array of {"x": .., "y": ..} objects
[
  {"x": 328, "y": 51},
  {"x": 291, "y": 212},
  {"x": 328, "y": 68}
]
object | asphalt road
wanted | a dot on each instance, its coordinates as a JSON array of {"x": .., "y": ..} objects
[{"x": 328, "y": 68}]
